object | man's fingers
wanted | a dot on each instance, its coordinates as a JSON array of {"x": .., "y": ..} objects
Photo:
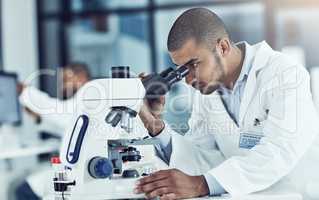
[
  {"x": 147, "y": 188},
  {"x": 169, "y": 196},
  {"x": 142, "y": 75},
  {"x": 158, "y": 192},
  {"x": 153, "y": 177}
]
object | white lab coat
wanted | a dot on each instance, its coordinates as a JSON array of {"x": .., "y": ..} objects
[
  {"x": 278, "y": 94},
  {"x": 55, "y": 114}
]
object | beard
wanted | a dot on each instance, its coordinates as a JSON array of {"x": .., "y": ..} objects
[
  {"x": 205, "y": 88},
  {"x": 209, "y": 89},
  {"x": 218, "y": 74}
]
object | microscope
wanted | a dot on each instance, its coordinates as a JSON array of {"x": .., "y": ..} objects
[{"x": 104, "y": 153}]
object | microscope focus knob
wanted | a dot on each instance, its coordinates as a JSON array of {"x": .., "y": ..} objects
[
  {"x": 130, "y": 173},
  {"x": 100, "y": 167}
]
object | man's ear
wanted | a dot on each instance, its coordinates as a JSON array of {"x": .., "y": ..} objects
[{"x": 224, "y": 47}]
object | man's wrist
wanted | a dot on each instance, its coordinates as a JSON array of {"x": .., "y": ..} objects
[
  {"x": 202, "y": 188},
  {"x": 156, "y": 127}
]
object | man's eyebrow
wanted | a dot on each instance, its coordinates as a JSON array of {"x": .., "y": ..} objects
[{"x": 191, "y": 61}]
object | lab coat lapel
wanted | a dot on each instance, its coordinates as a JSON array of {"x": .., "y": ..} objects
[
  {"x": 263, "y": 52},
  {"x": 227, "y": 136},
  {"x": 228, "y": 141}
]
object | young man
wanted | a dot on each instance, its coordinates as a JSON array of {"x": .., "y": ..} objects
[
  {"x": 56, "y": 111},
  {"x": 253, "y": 122}
]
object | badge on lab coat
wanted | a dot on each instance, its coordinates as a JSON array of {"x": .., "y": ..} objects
[{"x": 249, "y": 139}]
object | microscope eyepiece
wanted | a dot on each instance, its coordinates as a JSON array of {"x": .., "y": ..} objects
[
  {"x": 176, "y": 75},
  {"x": 159, "y": 84},
  {"x": 155, "y": 85}
]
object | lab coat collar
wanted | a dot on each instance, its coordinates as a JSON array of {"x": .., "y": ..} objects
[
  {"x": 262, "y": 52},
  {"x": 246, "y": 66},
  {"x": 249, "y": 54}
]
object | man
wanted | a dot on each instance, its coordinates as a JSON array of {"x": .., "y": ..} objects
[
  {"x": 253, "y": 122},
  {"x": 53, "y": 115},
  {"x": 56, "y": 111}
]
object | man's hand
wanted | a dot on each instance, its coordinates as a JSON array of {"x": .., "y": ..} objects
[
  {"x": 150, "y": 114},
  {"x": 172, "y": 184}
]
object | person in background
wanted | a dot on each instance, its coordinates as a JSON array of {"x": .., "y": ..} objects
[
  {"x": 55, "y": 112},
  {"x": 52, "y": 114}
]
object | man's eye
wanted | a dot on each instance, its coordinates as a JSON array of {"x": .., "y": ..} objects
[{"x": 195, "y": 65}]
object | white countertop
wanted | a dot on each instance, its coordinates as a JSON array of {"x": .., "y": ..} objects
[
  {"x": 257, "y": 196},
  {"x": 260, "y": 196}
]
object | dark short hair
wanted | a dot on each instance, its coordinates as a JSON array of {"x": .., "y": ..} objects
[
  {"x": 79, "y": 68},
  {"x": 200, "y": 24}
]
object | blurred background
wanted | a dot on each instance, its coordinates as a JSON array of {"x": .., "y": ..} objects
[{"x": 49, "y": 34}]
